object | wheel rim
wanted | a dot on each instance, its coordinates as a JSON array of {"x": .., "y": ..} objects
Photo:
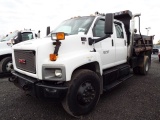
[
  {"x": 147, "y": 66},
  {"x": 86, "y": 93},
  {"x": 9, "y": 66}
]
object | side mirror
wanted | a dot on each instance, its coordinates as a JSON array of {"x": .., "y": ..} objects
[
  {"x": 18, "y": 39},
  {"x": 135, "y": 30},
  {"x": 108, "y": 29},
  {"x": 36, "y": 35},
  {"x": 48, "y": 30},
  {"x": 108, "y": 24}
]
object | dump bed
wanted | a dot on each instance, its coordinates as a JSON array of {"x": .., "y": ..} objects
[{"x": 142, "y": 43}]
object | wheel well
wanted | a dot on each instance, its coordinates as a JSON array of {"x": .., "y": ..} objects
[
  {"x": 94, "y": 66},
  {"x": 138, "y": 60},
  {"x": 6, "y": 55}
]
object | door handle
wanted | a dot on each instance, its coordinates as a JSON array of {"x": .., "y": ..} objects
[
  {"x": 112, "y": 43},
  {"x": 125, "y": 42}
]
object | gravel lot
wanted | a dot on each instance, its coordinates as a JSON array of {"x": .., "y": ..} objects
[{"x": 135, "y": 99}]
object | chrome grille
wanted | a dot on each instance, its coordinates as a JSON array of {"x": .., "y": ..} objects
[{"x": 25, "y": 60}]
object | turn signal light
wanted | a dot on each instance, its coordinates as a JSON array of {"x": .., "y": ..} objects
[
  {"x": 60, "y": 36},
  {"x": 53, "y": 57}
]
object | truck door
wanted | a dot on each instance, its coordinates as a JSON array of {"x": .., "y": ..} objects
[
  {"x": 106, "y": 48},
  {"x": 120, "y": 43}
]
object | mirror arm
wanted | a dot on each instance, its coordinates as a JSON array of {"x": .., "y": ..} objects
[{"x": 91, "y": 41}]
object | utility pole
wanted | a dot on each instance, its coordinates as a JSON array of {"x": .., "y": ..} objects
[{"x": 148, "y": 28}]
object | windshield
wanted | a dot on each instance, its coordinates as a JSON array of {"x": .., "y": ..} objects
[
  {"x": 75, "y": 25},
  {"x": 10, "y": 36}
]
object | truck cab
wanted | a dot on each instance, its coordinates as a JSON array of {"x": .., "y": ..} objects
[{"x": 82, "y": 58}]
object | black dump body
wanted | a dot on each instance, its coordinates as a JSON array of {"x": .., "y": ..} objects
[
  {"x": 142, "y": 46},
  {"x": 142, "y": 43}
]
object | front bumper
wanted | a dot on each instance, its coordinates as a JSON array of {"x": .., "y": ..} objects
[{"x": 39, "y": 88}]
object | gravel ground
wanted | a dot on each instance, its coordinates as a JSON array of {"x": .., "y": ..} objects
[{"x": 135, "y": 99}]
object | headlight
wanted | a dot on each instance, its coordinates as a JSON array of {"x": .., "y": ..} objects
[
  {"x": 58, "y": 73},
  {"x": 53, "y": 73}
]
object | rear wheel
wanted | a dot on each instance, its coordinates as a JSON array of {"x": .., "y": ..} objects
[
  {"x": 83, "y": 93},
  {"x": 6, "y": 64},
  {"x": 145, "y": 66}
]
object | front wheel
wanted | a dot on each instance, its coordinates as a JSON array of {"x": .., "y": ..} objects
[
  {"x": 6, "y": 64},
  {"x": 83, "y": 93}
]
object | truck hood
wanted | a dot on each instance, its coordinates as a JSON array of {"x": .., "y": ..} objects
[
  {"x": 71, "y": 43},
  {"x": 71, "y": 46},
  {"x": 32, "y": 44},
  {"x": 4, "y": 45}
]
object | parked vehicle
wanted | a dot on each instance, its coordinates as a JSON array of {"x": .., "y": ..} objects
[
  {"x": 82, "y": 58},
  {"x": 156, "y": 49},
  {"x": 6, "y": 47}
]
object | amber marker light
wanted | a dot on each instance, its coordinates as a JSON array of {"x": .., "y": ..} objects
[
  {"x": 60, "y": 36},
  {"x": 53, "y": 57}
]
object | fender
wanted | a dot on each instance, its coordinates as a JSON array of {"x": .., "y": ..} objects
[
  {"x": 5, "y": 49},
  {"x": 78, "y": 60}
]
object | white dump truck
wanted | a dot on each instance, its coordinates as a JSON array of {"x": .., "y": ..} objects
[{"x": 80, "y": 59}]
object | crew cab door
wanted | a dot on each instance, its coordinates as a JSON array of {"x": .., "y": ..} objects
[
  {"x": 106, "y": 47},
  {"x": 120, "y": 42}
]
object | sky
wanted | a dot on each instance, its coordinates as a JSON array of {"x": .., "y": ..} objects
[{"x": 38, "y": 14}]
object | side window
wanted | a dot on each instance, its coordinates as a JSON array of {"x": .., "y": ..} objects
[
  {"x": 98, "y": 30},
  {"x": 119, "y": 30},
  {"x": 27, "y": 36}
]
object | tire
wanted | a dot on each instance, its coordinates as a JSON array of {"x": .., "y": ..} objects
[
  {"x": 136, "y": 70},
  {"x": 145, "y": 66},
  {"x": 83, "y": 93},
  {"x": 6, "y": 64}
]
